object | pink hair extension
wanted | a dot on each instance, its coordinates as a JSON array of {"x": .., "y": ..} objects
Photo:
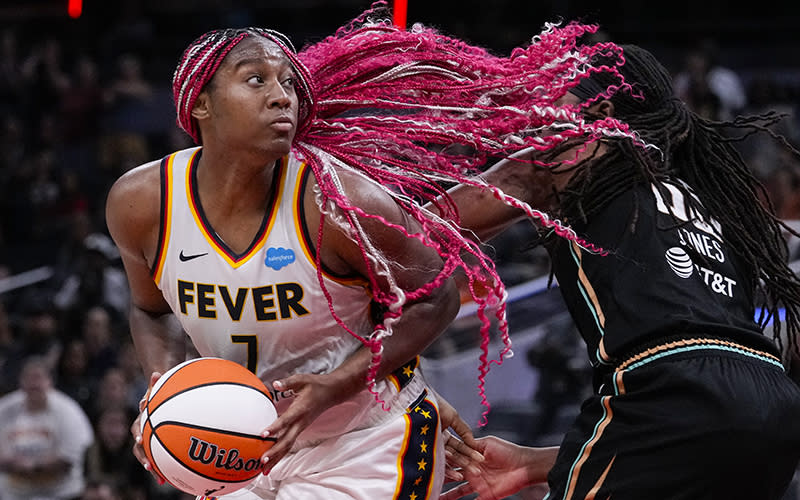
[
  {"x": 394, "y": 299},
  {"x": 391, "y": 104},
  {"x": 197, "y": 65},
  {"x": 413, "y": 111}
]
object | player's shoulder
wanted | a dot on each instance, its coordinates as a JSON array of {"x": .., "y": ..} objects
[
  {"x": 363, "y": 190},
  {"x": 139, "y": 180},
  {"x": 147, "y": 175},
  {"x": 134, "y": 200}
]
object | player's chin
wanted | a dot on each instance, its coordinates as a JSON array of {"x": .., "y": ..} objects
[{"x": 280, "y": 145}]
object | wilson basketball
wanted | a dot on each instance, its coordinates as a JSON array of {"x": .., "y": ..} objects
[{"x": 201, "y": 426}]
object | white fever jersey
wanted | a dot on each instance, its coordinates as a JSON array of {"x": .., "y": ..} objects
[{"x": 263, "y": 308}]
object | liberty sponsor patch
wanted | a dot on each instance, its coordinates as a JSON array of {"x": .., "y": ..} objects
[{"x": 278, "y": 257}]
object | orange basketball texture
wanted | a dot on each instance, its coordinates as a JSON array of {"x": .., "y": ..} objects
[{"x": 202, "y": 423}]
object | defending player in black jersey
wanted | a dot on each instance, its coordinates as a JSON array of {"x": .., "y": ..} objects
[{"x": 692, "y": 400}]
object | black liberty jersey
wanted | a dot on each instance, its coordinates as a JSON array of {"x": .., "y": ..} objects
[{"x": 668, "y": 272}]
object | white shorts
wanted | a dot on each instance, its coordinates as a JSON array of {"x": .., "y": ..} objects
[{"x": 400, "y": 458}]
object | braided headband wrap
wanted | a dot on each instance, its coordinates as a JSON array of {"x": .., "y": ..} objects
[{"x": 201, "y": 59}]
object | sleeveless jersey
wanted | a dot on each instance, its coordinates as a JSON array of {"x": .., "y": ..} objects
[
  {"x": 263, "y": 308},
  {"x": 668, "y": 273}
]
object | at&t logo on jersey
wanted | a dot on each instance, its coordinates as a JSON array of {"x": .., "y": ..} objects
[
  {"x": 681, "y": 263},
  {"x": 277, "y": 258}
]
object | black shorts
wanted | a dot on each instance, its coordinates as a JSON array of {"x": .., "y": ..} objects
[{"x": 692, "y": 421}]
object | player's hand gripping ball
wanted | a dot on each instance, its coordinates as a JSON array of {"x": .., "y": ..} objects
[{"x": 201, "y": 426}]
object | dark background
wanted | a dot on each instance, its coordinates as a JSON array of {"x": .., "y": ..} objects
[{"x": 752, "y": 37}]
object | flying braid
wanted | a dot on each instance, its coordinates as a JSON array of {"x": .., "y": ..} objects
[{"x": 414, "y": 112}]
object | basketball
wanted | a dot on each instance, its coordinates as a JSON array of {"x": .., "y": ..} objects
[{"x": 201, "y": 426}]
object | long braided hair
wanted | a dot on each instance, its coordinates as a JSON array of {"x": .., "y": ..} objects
[
  {"x": 412, "y": 112},
  {"x": 701, "y": 153}
]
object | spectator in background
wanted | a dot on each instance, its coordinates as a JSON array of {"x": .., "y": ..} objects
[
  {"x": 44, "y": 435},
  {"x": 95, "y": 280},
  {"x": 32, "y": 196},
  {"x": 71, "y": 250},
  {"x": 712, "y": 90},
  {"x": 13, "y": 142},
  {"x": 7, "y": 338},
  {"x": 70, "y": 211},
  {"x": 783, "y": 184},
  {"x": 109, "y": 459},
  {"x": 45, "y": 78},
  {"x": 39, "y": 333},
  {"x": 101, "y": 346},
  {"x": 11, "y": 85},
  {"x": 44, "y": 193},
  {"x": 113, "y": 392},
  {"x": 72, "y": 377},
  {"x": 100, "y": 490},
  {"x": 128, "y": 93},
  {"x": 128, "y": 102},
  {"x": 129, "y": 29},
  {"x": 72, "y": 199},
  {"x": 779, "y": 171},
  {"x": 79, "y": 114}
]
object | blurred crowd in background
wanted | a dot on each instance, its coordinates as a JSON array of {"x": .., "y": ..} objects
[{"x": 83, "y": 101}]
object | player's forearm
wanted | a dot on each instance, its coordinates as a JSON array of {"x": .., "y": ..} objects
[
  {"x": 154, "y": 335},
  {"x": 483, "y": 215},
  {"x": 420, "y": 324},
  {"x": 538, "y": 462}
]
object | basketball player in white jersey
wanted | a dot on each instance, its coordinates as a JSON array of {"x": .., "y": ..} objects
[{"x": 225, "y": 238}]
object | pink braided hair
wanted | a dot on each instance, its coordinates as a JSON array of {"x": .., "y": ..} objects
[
  {"x": 393, "y": 105},
  {"x": 413, "y": 111}
]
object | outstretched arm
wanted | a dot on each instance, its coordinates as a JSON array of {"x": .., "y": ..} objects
[
  {"x": 505, "y": 468},
  {"x": 452, "y": 420},
  {"x": 492, "y": 467},
  {"x": 482, "y": 215}
]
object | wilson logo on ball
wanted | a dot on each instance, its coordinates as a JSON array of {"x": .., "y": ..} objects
[
  {"x": 202, "y": 423},
  {"x": 208, "y": 453}
]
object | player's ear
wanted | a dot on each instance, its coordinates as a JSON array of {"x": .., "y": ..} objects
[
  {"x": 601, "y": 109},
  {"x": 200, "y": 109}
]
